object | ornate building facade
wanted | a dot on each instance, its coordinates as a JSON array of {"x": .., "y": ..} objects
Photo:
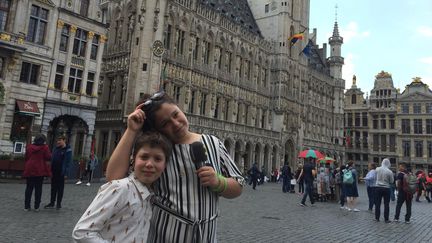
[
  {"x": 414, "y": 116},
  {"x": 389, "y": 124},
  {"x": 232, "y": 74},
  {"x": 51, "y": 52}
]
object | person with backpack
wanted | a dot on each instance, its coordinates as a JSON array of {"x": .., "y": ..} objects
[
  {"x": 349, "y": 181},
  {"x": 382, "y": 189},
  {"x": 405, "y": 192}
]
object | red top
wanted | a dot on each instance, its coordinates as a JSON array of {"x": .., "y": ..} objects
[{"x": 37, "y": 158}]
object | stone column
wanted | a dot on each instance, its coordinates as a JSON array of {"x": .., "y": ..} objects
[{"x": 102, "y": 40}]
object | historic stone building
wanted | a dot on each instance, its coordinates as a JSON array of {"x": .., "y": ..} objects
[
  {"x": 357, "y": 126},
  {"x": 414, "y": 118},
  {"x": 232, "y": 70},
  {"x": 389, "y": 124},
  {"x": 51, "y": 52}
]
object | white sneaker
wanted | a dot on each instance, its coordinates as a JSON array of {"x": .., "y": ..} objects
[
  {"x": 88, "y": 184},
  {"x": 356, "y": 210},
  {"x": 349, "y": 209},
  {"x": 78, "y": 183}
]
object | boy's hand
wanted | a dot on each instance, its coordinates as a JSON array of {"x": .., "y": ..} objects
[{"x": 208, "y": 176}]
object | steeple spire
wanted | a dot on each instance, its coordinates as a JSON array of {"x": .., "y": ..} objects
[{"x": 336, "y": 28}]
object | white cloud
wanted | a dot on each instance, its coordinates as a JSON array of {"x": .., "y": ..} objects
[
  {"x": 348, "y": 70},
  {"x": 427, "y": 60},
  {"x": 352, "y": 31},
  {"x": 425, "y": 31}
]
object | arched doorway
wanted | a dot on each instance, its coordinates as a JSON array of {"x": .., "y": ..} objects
[
  {"x": 275, "y": 157},
  {"x": 257, "y": 155},
  {"x": 239, "y": 157},
  {"x": 227, "y": 144},
  {"x": 289, "y": 156},
  {"x": 267, "y": 161},
  {"x": 248, "y": 156},
  {"x": 75, "y": 129}
]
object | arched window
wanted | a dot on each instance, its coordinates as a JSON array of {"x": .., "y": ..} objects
[{"x": 354, "y": 99}]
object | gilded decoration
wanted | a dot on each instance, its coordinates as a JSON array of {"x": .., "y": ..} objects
[
  {"x": 90, "y": 35},
  {"x": 417, "y": 80},
  {"x": 60, "y": 24},
  {"x": 102, "y": 39},
  {"x": 383, "y": 74},
  {"x": 73, "y": 28},
  {"x": 5, "y": 37}
]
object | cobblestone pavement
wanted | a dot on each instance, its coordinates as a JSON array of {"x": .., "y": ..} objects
[{"x": 264, "y": 215}]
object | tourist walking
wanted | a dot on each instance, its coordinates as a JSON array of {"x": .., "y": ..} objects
[
  {"x": 308, "y": 172},
  {"x": 91, "y": 164}
]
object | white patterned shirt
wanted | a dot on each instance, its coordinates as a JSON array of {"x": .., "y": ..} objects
[{"x": 120, "y": 212}]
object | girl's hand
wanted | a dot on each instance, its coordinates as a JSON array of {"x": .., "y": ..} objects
[
  {"x": 136, "y": 119},
  {"x": 208, "y": 176}
]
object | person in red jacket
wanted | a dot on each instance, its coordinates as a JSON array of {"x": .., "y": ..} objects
[{"x": 37, "y": 159}]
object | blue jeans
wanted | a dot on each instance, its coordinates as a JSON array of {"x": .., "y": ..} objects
[
  {"x": 371, "y": 196},
  {"x": 301, "y": 186},
  {"x": 392, "y": 193},
  {"x": 308, "y": 191}
]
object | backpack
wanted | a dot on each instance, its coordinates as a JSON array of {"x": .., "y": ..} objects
[
  {"x": 410, "y": 183},
  {"x": 428, "y": 183},
  {"x": 348, "y": 177}
]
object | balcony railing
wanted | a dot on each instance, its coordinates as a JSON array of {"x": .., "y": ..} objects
[
  {"x": 12, "y": 42},
  {"x": 109, "y": 115}
]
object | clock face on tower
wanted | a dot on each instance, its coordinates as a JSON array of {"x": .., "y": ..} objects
[{"x": 158, "y": 48}]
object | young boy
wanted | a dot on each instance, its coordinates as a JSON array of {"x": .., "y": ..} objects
[{"x": 121, "y": 210}]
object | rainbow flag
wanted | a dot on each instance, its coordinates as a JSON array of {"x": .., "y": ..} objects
[{"x": 294, "y": 38}]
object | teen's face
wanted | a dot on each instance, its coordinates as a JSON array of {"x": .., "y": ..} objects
[
  {"x": 60, "y": 142},
  {"x": 149, "y": 164},
  {"x": 172, "y": 122}
]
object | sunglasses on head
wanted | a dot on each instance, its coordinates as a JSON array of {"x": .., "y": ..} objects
[{"x": 150, "y": 101}]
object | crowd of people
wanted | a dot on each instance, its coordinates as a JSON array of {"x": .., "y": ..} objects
[
  {"x": 152, "y": 174},
  {"x": 325, "y": 182}
]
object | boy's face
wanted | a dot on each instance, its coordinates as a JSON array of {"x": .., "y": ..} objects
[
  {"x": 60, "y": 142},
  {"x": 149, "y": 164}
]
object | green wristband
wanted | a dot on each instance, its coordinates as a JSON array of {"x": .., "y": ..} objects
[
  {"x": 219, "y": 186},
  {"x": 225, "y": 185}
]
